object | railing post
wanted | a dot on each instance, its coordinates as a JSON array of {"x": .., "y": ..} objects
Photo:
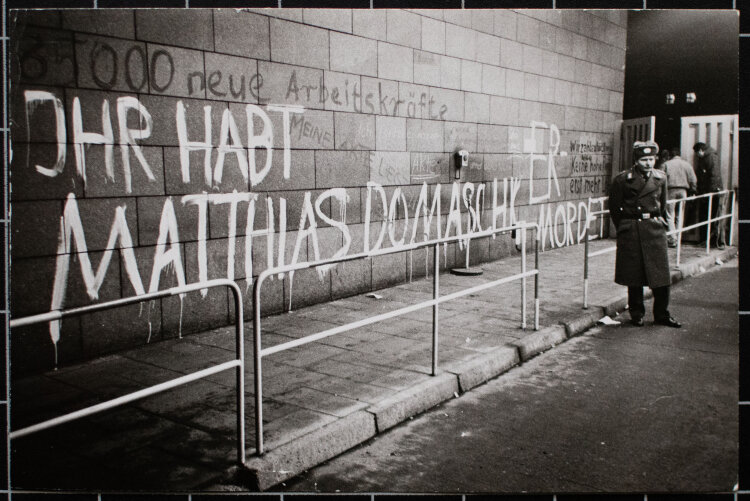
[
  {"x": 732, "y": 220},
  {"x": 240, "y": 374},
  {"x": 523, "y": 278},
  {"x": 468, "y": 244},
  {"x": 257, "y": 369},
  {"x": 536, "y": 281},
  {"x": 708, "y": 224},
  {"x": 435, "y": 295},
  {"x": 586, "y": 267},
  {"x": 679, "y": 232}
]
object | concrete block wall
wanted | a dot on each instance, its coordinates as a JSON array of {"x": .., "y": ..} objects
[{"x": 176, "y": 113}]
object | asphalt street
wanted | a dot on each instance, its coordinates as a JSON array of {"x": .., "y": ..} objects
[{"x": 617, "y": 409}]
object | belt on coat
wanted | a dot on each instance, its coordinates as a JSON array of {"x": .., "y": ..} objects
[{"x": 643, "y": 215}]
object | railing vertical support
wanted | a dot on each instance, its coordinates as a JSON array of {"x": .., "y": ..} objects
[
  {"x": 523, "y": 279},
  {"x": 708, "y": 225},
  {"x": 468, "y": 244},
  {"x": 240, "y": 375},
  {"x": 586, "y": 267},
  {"x": 679, "y": 234},
  {"x": 536, "y": 282},
  {"x": 435, "y": 295},
  {"x": 732, "y": 220},
  {"x": 257, "y": 368}
]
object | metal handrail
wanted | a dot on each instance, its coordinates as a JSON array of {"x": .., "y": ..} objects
[
  {"x": 259, "y": 352},
  {"x": 678, "y": 231},
  {"x": 238, "y": 362},
  {"x": 708, "y": 220}
]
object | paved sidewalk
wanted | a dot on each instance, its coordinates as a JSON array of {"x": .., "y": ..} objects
[{"x": 319, "y": 399}]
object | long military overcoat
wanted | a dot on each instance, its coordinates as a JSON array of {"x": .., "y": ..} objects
[{"x": 638, "y": 210}]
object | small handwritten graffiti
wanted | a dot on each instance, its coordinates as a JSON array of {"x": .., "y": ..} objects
[
  {"x": 476, "y": 163},
  {"x": 303, "y": 127},
  {"x": 426, "y": 166},
  {"x": 107, "y": 67},
  {"x": 42, "y": 56},
  {"x": 128, "y": 66},
  {"x": 110, "y": 67},
  {"x": 590, "y": 155},
  {"x": 238, "y": 86},
  {"x": 590, "y": 164},
  {"x": 585, "y": 145},
  {"x": 586, "y": 186},
  {"x": 385, "y": 170},
  {"x": 350, "y": 94}
]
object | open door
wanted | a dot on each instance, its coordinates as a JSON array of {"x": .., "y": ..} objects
[
  {"x": 631, "y": 130},
  {"x": 720, "y": 132}
]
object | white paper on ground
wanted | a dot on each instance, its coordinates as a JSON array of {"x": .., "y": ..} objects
[
  {"x": 374, "y": 296},
  {"x": 608, "y": 321}
]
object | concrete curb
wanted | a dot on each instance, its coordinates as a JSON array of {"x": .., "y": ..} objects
[
  {"x": 540, "y": 341},
  {"x": 412, "y": 401},
  {"x": 694, "y": 267},
  {"x": 588, "y": 319},
  {"x": 481, "y": 369},
  {"x": 675, "y": 276},
  {"x": 294, "y": 457},
  {"x": 615, "y": 304}
]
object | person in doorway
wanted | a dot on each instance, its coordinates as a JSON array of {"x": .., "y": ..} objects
[
  {"x": 637, "y": 205},
  {"x": 682, "y": 182},
  {"x": 709, "y": 181},
  {"x": 664, "y": 156}
]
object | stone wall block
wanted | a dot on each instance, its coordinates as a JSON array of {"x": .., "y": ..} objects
[
  {"x": 242, "y": 33},
  {"x": 433, "y": 35},
  {"x": 460, "y": 42},
  {"x": 404, "y": 28},
  {"x": 332, "y": 19},
  {"x": 112, "y": 22},
  {"x": 369, "y": 23},
  {"x": 353, "y": 54},
  {"x": 477, "y": 108},
  {"x": 488, "y": 49},
  {"x": 354, "y": 131},
  {"x": 395, "y": 62},
  {"x": 27, "y": 183},
  {"x": 390, "y": 133},
  {"x": 295, "y": 43},
  {"x": 331, "y": 167},
  {"x": 471, "y": 76},
  {"x": 184, "y": 28}
]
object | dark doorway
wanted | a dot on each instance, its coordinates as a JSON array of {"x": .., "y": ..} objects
[{"x": 677, "y": 52}]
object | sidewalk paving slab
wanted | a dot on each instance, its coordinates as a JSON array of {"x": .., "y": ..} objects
[{"x": 319, "y": 399}]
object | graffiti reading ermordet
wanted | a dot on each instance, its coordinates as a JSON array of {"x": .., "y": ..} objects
[{"x": 561, "y": 223}]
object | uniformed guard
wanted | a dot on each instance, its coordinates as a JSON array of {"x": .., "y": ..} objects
[{"x": 638, "y": 207}]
